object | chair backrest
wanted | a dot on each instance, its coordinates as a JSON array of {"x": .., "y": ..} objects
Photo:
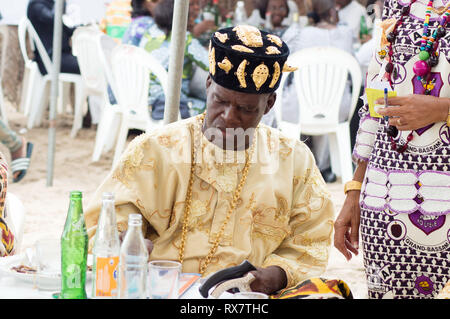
[
  {"x": 25, "y": 26},
  {"x": 106, "y": 45},
  {"x": 320, "y": 82},
  {"x": 85, "y": 46},
  {"x": 22, "y": 31},
  {"x": 131, "y": 70}
]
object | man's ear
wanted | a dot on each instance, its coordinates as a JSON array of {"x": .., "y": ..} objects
[
  {"x": 270, "y": 102},
  {"x": 208, "y": 81}
]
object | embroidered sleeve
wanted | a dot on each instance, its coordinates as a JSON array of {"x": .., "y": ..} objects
[
  {"x": 122, "y": 182},
  {"x": 304, "y": 252}
]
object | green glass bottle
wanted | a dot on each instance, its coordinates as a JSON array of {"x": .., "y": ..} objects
[
  {"x": 363, "y": 29},
  {"x": 216, "y": 12},
  {"x": 74, "y": 251}
]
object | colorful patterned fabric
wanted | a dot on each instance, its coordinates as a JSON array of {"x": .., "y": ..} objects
[
  {"x": 136, "y": 30},
  {"x": 405, "y": 199},
  {"x": 118, "y": 17},
  {"x": 6, "y": 235},
  {"x": 317, "y": 288}
]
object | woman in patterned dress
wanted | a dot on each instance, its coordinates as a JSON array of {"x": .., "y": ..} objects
[{"x": 402, "y": 205}]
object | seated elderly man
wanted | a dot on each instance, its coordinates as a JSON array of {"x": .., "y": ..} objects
[{"x": 220, "y": 188}]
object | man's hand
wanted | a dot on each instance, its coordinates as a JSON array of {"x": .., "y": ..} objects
[
  {"x": 415, "y": 111},
  {"x": 202, "y": 27},
  {"x": 148, "y": 242},
  {"x": 346, "y": 226},
  {"x": 268, "y": 280}
]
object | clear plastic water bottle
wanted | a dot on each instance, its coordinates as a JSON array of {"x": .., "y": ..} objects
[
  {"x": 133, "y": 261},
  {"x": 240, "y": 16},
  {"x": 106, "y": 251}
]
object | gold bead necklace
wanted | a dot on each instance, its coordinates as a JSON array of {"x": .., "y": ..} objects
[{"x": 188, "y": 202}]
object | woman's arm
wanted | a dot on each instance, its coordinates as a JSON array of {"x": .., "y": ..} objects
[{"x": 346, "y": 226}]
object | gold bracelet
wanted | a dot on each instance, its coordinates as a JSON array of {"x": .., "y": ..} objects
[{"x": 352, "y": 186}]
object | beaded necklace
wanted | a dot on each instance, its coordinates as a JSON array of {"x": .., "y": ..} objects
[{"x": 428, "y": 58}]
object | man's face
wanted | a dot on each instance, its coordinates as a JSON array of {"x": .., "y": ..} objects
[
  {"x": 232, "y": 116},
  {"x": 278, "y": 10},
  {"x": 194, "y": 11}
]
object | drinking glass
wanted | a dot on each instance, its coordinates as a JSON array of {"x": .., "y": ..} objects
[
  {"x": 48, "y": 259},
  {"x": 164, "y": 276}
]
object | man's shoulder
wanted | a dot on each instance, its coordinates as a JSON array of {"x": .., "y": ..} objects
[
  {"x": 168, "y": 144},
  {"x": 268, "y": 132},
  {"x": 178, "y": 128}
]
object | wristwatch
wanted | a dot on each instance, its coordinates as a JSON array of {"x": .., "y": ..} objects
[{"x": 352, "y": 186}]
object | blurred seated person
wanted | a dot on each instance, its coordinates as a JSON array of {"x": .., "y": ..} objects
[
  {"x": 281, "y": 14},
  {"x": 277, "y": 11},
  {"x": 350, "y": 13},
  {"x": 141, "y": 20},
  {"x": 200, "y": 26},
  {"x": 325, "y": 32},
  {"x": 41, "y": 14},
  {"x": 157, "y": 42},
  {"x": 6, "y": 233}
]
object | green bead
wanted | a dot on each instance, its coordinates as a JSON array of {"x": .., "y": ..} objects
[{"x": 424, "y": 55}]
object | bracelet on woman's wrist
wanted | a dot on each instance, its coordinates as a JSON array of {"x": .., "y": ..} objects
[{"x": 352, "y": 186}]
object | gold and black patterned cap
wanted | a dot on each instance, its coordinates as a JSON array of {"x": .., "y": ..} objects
[{"x": 246, "y": 59}]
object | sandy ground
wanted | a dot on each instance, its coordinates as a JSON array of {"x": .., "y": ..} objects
[{"x": 46, "y": 207}]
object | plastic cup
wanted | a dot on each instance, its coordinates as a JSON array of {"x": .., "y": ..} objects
[
  {"x": 48, "y": 262},
  {"x": 164, "y": 276}
]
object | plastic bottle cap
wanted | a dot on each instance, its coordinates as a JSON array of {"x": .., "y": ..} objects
[
  {"x": 135, "y": 217},
  {"x": 108, "y": 195}
]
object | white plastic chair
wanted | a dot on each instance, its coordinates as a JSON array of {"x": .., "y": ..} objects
[
  {"x": 31, "y": 72},
  {"x": 319, "y": 83},
  {"x": 106, "y": 132},
  {"x": 16, "y": 214},
  {"x": 131, "y": 68},
  {"x": 85, "y": 46},
  {"x": 37, "y": 86}
]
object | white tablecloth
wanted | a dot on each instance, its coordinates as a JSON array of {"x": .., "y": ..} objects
[{"x": 16, "y": 286}]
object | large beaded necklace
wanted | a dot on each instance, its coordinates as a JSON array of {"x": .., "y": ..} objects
[
  {"x": 187, "y": 208},
  {"x": 428, "y": 58}
]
